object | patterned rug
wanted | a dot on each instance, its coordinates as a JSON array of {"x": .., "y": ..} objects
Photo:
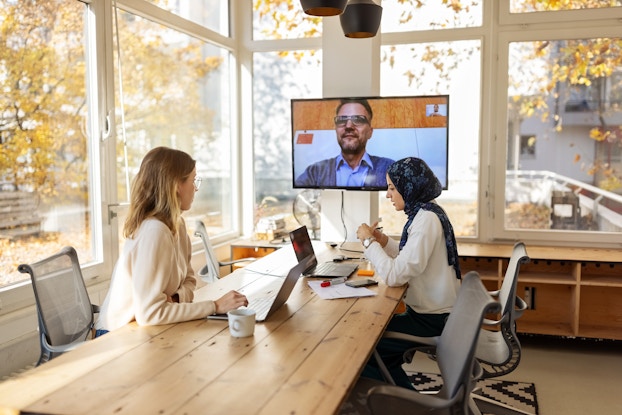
[{"x": 519, "y": 395}]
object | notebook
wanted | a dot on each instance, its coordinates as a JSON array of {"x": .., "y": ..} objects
[
  {"x": 303, "y": 248},
  {"x": 268, "y": 293}
]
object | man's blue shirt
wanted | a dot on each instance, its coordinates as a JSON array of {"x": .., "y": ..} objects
[{"x": 372, "y": 172}]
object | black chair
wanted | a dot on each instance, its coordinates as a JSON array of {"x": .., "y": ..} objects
[
  {"x": 210, "y": 272},
  {"x": 64, "y": 310},
  {"x": 455, "y": 355}
]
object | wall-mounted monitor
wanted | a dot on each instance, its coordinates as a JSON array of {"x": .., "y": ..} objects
[{"x": 347, "y": 143}]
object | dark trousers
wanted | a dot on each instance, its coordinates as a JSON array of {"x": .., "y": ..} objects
[{"x": 392, "y": 351}]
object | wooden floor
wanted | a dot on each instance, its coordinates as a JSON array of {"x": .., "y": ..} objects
[{"x": 572, "y": 376}]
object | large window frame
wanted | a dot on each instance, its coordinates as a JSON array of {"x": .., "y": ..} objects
[
  {"x": 17, "y": 315},
  {"x": 499, "y": 28},
  {"x": 571, "y": 25}
]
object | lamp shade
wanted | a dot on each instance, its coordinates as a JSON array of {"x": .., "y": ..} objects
[
  {"x": 361, "y": 19},
  {"x": 323, "y": 7}
]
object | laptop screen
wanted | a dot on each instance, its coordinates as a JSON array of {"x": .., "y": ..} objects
[{"x": 301, "y": 243}]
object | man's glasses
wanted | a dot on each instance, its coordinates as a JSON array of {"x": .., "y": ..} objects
[
  {"x": 357, "y": 120},
  {"x": 197, "y": 182}
]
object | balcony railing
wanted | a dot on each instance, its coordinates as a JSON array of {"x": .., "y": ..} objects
[{"x": 537, "y": 187}]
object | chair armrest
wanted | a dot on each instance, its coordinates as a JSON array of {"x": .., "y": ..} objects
[
  {"x": 235, "y": 261},
  {"x": 519, "y": 306},
  {"x": 494, "y": 294},
  {"x": 60, "y": 349}
]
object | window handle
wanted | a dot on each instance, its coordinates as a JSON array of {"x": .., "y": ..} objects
[{"x": 107, "y": 128}]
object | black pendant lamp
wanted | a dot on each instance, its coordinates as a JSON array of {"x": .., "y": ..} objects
[
  {"x": 361, "y": 19},
  {"x": 323, "y": 7}
]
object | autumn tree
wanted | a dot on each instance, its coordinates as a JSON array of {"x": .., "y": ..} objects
[
  {"x": 578, "y": 65},
  {"x": 165, "y": 90},
  {"x": 43, "y": 117},
  {"x": 42, "y": 105}
]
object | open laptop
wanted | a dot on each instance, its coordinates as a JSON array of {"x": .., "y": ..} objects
[
  {"x": 268, "y": 293},
  {"x": 301, "y": 242}
]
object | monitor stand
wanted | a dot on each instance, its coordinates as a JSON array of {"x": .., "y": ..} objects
[{"x": 358, "y": 207}]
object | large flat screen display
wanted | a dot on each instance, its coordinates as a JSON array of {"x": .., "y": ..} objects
[{"x": 348, "y": 143}]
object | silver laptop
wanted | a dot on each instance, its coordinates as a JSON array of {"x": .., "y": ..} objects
[
  {"x": 268, "y": 293},
  {"x": 301, "y": 242}
]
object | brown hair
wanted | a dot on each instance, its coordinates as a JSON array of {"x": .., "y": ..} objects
[
  {"x": 359, "y": 101},
  {"x": 154, "y": 189}
]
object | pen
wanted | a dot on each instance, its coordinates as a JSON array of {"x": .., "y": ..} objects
[{"x": 334, "y": 281}]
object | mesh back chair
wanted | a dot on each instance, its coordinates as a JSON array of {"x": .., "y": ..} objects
[
  {"x": 64, "y": 311},
  {"x": 455, "y": 355},
  {"x": 211, "y": 271},
  {"x": 498, "y": 349}
]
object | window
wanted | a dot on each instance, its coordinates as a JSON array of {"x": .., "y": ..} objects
[
  {"x": 283, "y": 19},
  {"x": 576, "y": 143},
  {"x": 527, "y": 147},
  {"x": 529, "y": 6},
  {"x": 410, "y": 15},
  {"x": 278, "y": 78},
  {"x": 175, "y": 91},
  {"x": 442, "y": 68},
  {"x": 213, "y": 14},
  {"x": 47, "y": 180}
]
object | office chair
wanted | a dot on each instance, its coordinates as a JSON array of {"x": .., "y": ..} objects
[
  {"x": 455, "y": 356},
  {"x": 210, "y": 272},
  {"x": 498, "y": 348},
  {"x": 64, "y": 310}
]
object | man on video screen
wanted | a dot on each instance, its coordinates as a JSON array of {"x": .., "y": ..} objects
[{"x": 353, "y": 167}]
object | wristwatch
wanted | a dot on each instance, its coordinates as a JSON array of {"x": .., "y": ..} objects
[{"x": 368, "y": 241}]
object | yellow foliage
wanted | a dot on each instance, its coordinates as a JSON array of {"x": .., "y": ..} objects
[
  {"x": 598, "y": 135},
  {"x": 610, "y": 183}
]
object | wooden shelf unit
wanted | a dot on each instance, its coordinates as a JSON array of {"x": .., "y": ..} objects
[
  {"x": 576, "y": 292},
  {"x": 245, "y": 248}
]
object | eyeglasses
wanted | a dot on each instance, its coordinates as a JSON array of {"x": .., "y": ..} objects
[
  {"x": 197, "y": 182},
  {"x": 357, "y": 120}
]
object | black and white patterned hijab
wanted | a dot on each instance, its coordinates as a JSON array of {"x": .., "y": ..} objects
[{"x": 418, "y": 186}]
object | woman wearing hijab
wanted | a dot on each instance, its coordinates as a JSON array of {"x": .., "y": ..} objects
[{"x": 425, "y": 258}]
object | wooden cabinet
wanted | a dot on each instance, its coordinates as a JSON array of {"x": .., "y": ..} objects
[{"x": 572, "y": 292}]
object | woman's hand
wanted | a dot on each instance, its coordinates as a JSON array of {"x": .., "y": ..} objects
[
  {"x": 364, "y": 231},
  {"x": 367, "y": 231},
  {"x": 230, "y": 301}
]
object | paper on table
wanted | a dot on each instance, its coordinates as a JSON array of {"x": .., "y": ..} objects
[{"x": 339, "y": 291}]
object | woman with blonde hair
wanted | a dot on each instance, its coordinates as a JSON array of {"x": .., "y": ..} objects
[{"x": 153, "y": 281}]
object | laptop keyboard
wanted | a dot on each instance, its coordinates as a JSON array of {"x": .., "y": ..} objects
[
  {"x": 261, "y": 305},
  {"x": 324, "y": 267},
  {"x": 328, "y": 269}
]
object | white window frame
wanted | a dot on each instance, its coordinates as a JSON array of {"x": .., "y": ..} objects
[{"x": 536, "y": 30}]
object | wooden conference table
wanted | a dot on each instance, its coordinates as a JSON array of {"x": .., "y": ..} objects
[{"x": 303, "y": 360}]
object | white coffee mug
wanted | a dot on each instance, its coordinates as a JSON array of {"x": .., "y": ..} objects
[{"x": 241, "y": 322}]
